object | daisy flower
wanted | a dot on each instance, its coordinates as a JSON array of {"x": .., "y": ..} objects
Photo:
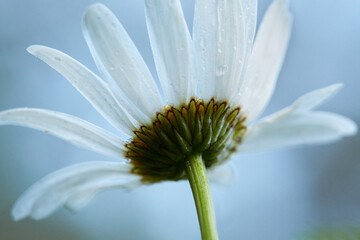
[{"x": 212, "y": 86}]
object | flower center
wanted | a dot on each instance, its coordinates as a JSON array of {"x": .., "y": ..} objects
[{"x": 158, "y": 151}]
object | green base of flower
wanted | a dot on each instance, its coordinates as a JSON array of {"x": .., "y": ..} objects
[{"x": 159, "y": 152}]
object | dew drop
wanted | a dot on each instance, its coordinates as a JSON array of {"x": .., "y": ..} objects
[
  {"x": 222, "y": 70},
  {"x": 181, "y": 48}
]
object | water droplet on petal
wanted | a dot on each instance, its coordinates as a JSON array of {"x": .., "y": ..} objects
[{"x": 221, "y": 70}]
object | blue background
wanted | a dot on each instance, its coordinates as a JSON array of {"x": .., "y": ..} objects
[{"x": 276, "y": 195}]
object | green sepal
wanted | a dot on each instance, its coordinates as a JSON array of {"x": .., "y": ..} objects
[
  {"x": 197, "y": 138},
  {"x": 184, "y": 145},
  {"x": 192, "y": 114},
  {"x": 184, "y": 129}
]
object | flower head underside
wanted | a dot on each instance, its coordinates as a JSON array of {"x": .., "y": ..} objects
[{"x": 158, "y": 152}]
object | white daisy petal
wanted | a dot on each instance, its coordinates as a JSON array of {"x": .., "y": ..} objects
[
  {"x": 78, "y": 201},
  {"x": 205, "y": 42},
  {"x": 223, "y": 174},
  {"x": 250, "y": 18},
  {"x": 58, "y": 188},
  {"x": 172, "y": 49},
  {"x": 119, "y": 60},
  {"x": 70, "y": 128},
  {"x": 221, "y": 43},
  {"x": 86, "y": 193},
  {"x": 230, "y": 49},
  {"x": 266, "y": 59},
  {"x": 289, "y": 128},
  {"x": 315, "y": 98},
  {"x": 96, "y": 91}
]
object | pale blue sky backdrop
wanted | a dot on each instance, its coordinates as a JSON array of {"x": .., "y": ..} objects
[{"x": 276, "y": 195}]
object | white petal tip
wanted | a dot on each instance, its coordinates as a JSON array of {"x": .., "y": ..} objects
[
  {"x": 94, "y": 9},
  {"x": 338, "y": 85},
  {"x": 92, "y": 14},
  {"x": 18, "y": 215},
  {"x": 335, "y": 88},
  {"x": 349, "y": 128},
  {"x": 316, "y": 98},
  {"x": 33, "y": 49},
  {"x": 284, "y": 8}
]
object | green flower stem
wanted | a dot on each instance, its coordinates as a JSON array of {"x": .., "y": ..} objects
[{"x": 196, "y": 173}]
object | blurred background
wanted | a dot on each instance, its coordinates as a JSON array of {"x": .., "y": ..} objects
[{"x": 278, "y": 195}]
